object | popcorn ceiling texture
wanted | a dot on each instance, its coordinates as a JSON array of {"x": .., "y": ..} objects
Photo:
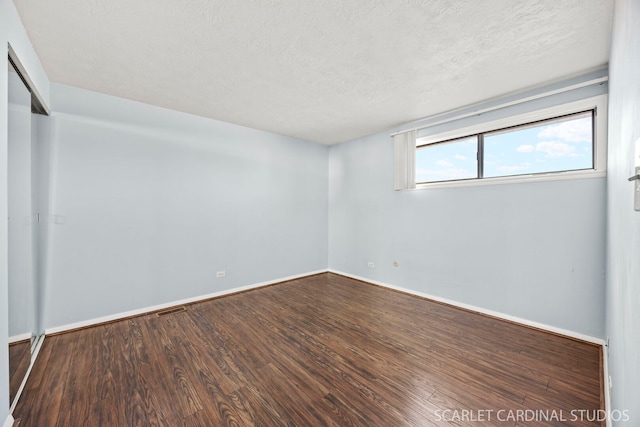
[{"x": 325, "y": 71}]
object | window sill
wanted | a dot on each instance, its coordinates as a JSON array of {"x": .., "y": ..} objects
[{"x": 552, "y": 176}]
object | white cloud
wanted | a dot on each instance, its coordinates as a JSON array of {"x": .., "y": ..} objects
[
  {"x": 444, "y": 163},
  {"x": 525, "y": 149},
  {"x": 572, "y": 131},
  {"x": 554, "y": 149},
  {"x": 460, "y": 157}
]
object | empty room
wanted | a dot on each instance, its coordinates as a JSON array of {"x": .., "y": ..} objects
[{"x": 320, "y": 213}]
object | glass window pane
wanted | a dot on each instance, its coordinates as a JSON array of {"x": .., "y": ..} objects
[
  {"x": 557, "y": 145},
  {"x": 447, "y": 161}
]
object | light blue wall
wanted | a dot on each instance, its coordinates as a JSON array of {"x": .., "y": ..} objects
[
  {"x": 41, "y": 144},
  {"x": 12, "y": 33},
  {"x": 530, "y": 250},
  {"x": 623, "y": 258},
  {"x": 148, "y": 204}
]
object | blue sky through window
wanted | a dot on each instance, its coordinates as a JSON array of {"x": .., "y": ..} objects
[
  {"x": 448, "y": 161},
  {"x": 560, "y": 145}
]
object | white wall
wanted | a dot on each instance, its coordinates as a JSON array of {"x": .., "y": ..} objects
[
  {"x": 623, "y": 258},
  {"x": 11, "y": 33},
  {"x": 529, "y": 250},
  {"x": 148, "y": 204}
]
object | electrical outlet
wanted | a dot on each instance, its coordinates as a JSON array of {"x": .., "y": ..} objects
[
  {"x": 221, "y": 273},
  {"x": 371, "y": 265}
]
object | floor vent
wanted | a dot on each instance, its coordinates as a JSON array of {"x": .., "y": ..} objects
[{"x": 172, "y": 311}]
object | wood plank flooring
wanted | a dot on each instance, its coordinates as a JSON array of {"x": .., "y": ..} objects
[
  {"x": 19, "y": 360},
  {"x": 319, "y": 351}
]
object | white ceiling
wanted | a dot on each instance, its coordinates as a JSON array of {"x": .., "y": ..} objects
[{"x": 320, "y": 70}]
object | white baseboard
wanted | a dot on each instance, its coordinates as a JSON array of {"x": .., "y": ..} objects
[
  {"x": 144, "y": 310},
  {"x": 21, "y": 337},
  {"x": 140, "y": 311},
  {"x": 9, "y": 421},
  {"x": 492, "y": 313}
]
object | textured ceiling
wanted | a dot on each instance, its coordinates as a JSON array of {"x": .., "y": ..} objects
[{"x": 325, "y": 71}]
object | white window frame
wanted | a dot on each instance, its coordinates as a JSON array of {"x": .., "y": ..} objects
[{"x": 596, "y": 103}]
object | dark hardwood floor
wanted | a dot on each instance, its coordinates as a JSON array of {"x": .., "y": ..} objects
[
  {"x": 19, "y": 360},
  {"x": 320, "y": 351}
]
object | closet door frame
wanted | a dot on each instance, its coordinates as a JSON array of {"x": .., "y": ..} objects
[{"x": 38, "y": 106}]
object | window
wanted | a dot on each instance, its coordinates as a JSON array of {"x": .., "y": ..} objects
[
  {"x": 447, "y": 160},
  {"x": 555, "y": 143}
]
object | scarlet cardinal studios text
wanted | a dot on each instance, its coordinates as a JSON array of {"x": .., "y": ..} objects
[{"x": 481, "y": 415}]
